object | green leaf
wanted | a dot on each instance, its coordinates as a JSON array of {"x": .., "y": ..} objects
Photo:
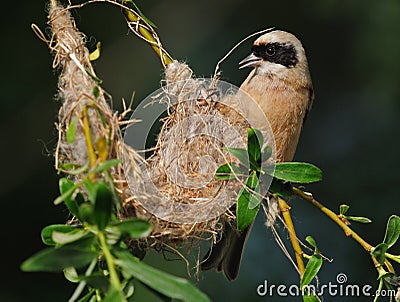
[
  {"x": 310, "y": 298},
  {"x": 47, "y": 232},
  {"x": 73, "y": 169},
  {"x": 379, "y": 252},
  {"x": 312, "y": 242},
  {"x": 248, "y": 203},
  {"x": 114, "y": 295},
  {"x": 93, "y": 76},
  {"x": 159, "y": 295},
  {"x": 95, "y": 54},
  {"x": 96, "y": 280},
  {"x": 358, "y": 219},
  {"x": 57, "y": 259},
  {"x": 392, "y": 230},
  {"x": 343, "y": 209},
  {"x": 69, "y": 237},
  {"x": 228, "y": 171},
  {"x": 255, "y": 197},
  {"x": 105, "y": 166},
  {"x": 90, "y": 189},
  {"x": 86, "y": 213},
  {"x": 394, "y": 257},
  {"x": 89, "y": 297},
  {"x": 165, "y": 283},
  {"x": 65, "y": 185},
  {"x": 71, "y": 275},
  {"x": 66, "y": 190},
  {"x": 388, "y": 275},
  {"x": 70, "y": 135},
  {"x": 240, "y": 154},
  {"x": 141, "y": 14},
  {"x": 297, "y": 172},
  {"x": 102, "y": 206},
  {"x": 312, "y": 268},
  {"x": 129, "y": 289},
  {"x": 134, "y": 228},
  {"x": 113, "y": 235},
  {"x": 96, "y": 91},
  {"x": 254, "y": 142},
  {"x": 280, "y": 188},
  {"x": 73, "y": 207},
  {"x": 266, "y": 153}
]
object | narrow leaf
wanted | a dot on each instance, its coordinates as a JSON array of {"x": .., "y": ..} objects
[
  {"x": 73, "y": 169},
  {"x": 86, "y": 213},
  {"x": 310, "y": 298},
  {"x": 165, "y": 283},
  {"x": 312, "y": 242},
  {"x": 102, "y": 206},
  {"x": 379, "y": 252},
  {"x": 358, "y": 219},
  {"x": 228, "y": 171},
  {"x": 95, "y": 54},
  {"x": 254, "y": 142},
  {"x": 312, "y": 268},
  {"x": 67, "y": 188},
  {"x": 71, "y": 275},
  {"x": 244, "y": 214},
  {"x": 297, "y": 172},
  {"x": 142, "y": 15},
  {"x": 392, "y": 230},
  {"x": 57, "y": 259},
  {"x": 105, "y": 166},
  {"x": 280, "y": 188},
  {"x": 343, "y": 209},
  {"x": 73, "y": 207},
  {"x": 96, "y": 91},
  {"x": 70, "y": 135},
  {"x": 255, "y": 197},
  {"x": 69, "y": 237},
  {"x": 240, "y": 154},
  {"x": 90, "y": 189},
  {"x": 266, "y": 153},
  {"x": 89, "y": 297},
  {"x": 47, "y": 232},
  {"x": 96, "y": 280},
  {"x": 134, "y": 228},
  {"x": 114, "y": 295}
]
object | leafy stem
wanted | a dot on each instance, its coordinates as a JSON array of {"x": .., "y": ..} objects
[
  {"x": 82, "y": 284},
  {"x": 114, "y": 280},
  {"x": 347, "y": 230}
]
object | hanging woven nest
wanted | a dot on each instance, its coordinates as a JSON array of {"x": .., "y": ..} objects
[{"x": 175, "y": 188}]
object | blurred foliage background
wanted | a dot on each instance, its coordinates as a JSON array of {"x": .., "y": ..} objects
[{"x": 353, "y": 49}]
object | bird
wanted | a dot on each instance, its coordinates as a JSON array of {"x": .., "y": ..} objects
[{"x": 280, "y": 83}]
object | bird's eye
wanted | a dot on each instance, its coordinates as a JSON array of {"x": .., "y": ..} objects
[{"x": 270, "y": 50}]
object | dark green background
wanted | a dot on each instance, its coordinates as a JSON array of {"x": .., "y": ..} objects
[{"x": 353, "y": 49}]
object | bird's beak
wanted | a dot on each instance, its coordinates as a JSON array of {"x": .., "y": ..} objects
[{"x": 250, "y": 61}]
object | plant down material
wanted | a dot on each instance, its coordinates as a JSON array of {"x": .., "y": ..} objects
[{"x": 175, "y": 189}]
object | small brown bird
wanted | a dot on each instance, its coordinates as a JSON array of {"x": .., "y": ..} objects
[{"x": 281, "y": 85}]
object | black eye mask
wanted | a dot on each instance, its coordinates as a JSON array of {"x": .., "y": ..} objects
[{"x": 279, "y": 53}]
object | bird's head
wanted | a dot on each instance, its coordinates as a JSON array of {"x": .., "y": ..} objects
[{"x": 277, "y": 53}]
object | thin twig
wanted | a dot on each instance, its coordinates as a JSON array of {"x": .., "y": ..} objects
[
  {"x": 285, "y": 210},
  {"x": 347, "y": 230},
  {"x": 89, "y": 143}
]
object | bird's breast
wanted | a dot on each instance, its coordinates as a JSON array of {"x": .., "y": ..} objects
[{"x": 285, "y": 106}]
